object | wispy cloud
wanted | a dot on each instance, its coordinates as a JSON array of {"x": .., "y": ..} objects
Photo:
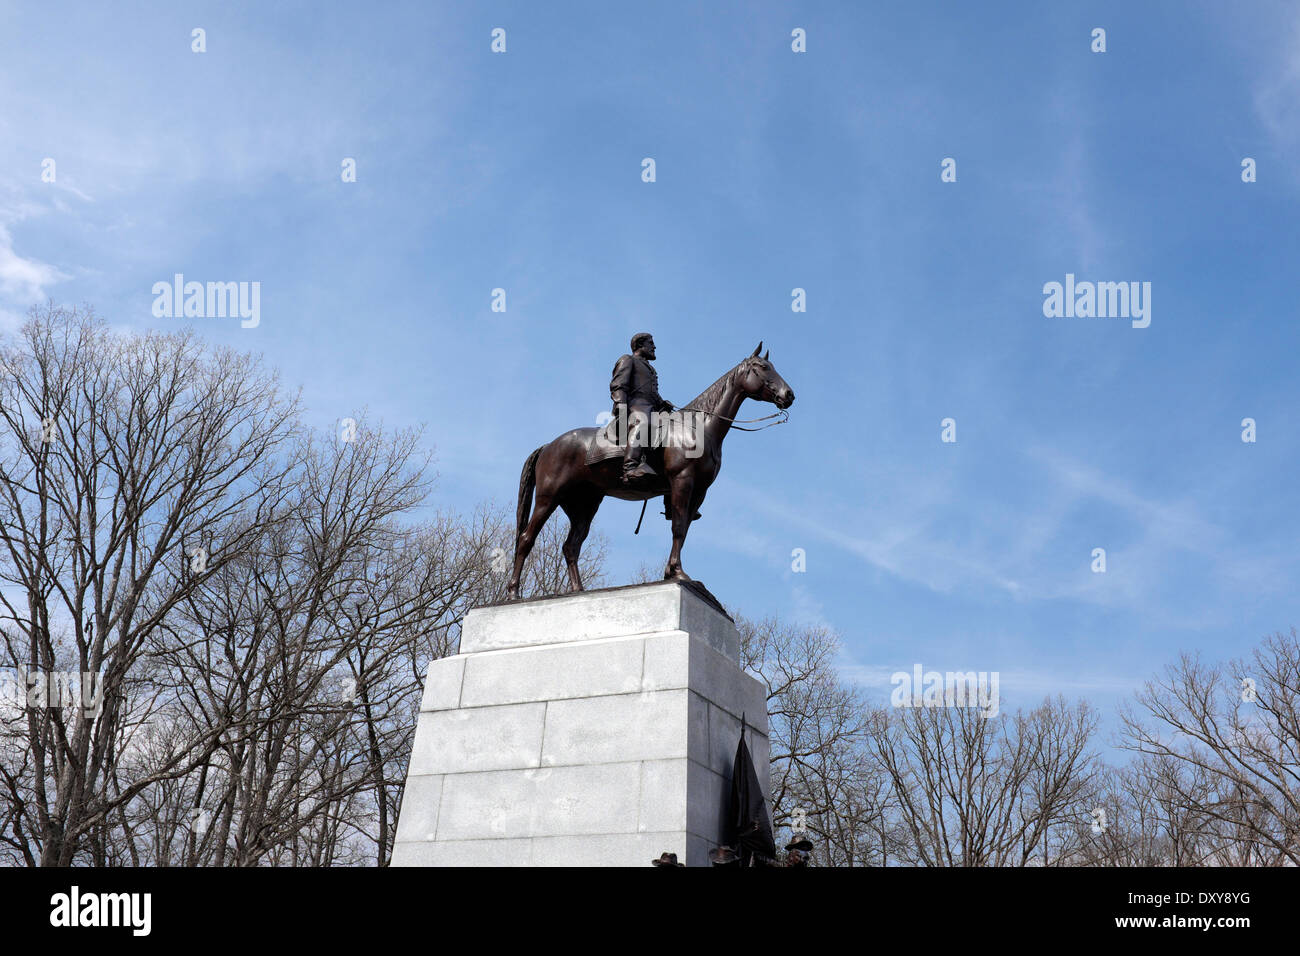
[
  {"x": 914, "y": 532},
  {"x": 1277, "y": 92},
  {"x": 22, "y": 279}
]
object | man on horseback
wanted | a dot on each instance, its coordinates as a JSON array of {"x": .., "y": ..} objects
[
  {"x": 576, "y": 471},
  {"x": 634, "y": 388}
]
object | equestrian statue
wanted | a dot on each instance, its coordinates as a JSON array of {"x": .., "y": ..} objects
[{"x": 649, "y": 449}]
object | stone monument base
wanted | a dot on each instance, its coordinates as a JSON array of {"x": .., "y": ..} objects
[{"x": 590, "y": 729}]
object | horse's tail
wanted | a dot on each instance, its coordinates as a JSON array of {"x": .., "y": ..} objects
[{"x": 527, "y": 481}]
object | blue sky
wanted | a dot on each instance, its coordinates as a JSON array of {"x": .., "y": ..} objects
[{"x": 775, "y": 170}]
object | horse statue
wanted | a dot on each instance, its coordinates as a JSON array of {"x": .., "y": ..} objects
[{"x": 577, "y": 470}]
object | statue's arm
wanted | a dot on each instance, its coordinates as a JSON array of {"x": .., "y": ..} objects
[{"x": 621, "y": 381}]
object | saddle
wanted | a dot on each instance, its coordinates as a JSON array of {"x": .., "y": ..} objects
[{"x": 605, "y": 444}]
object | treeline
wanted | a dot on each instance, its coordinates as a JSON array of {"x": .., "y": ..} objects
[
  {"x": 1212, "y": 779},
  {"x": 261, "y": 600}
]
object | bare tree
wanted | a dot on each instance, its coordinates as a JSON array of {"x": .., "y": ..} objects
[
  {"x": 252, "y": 598},
  {"x": 973, "y": 790},
  {"x": 1148, "y": 813},
  {"x": 823, "y": 781},
  {"x": 1233, "y": 732},
  {"x": 122, "y": 460}
]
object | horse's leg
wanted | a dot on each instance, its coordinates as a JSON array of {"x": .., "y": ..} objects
[
  {"x": 581, "y": 512},
  {"x": 542, "y": 509},
  {"x": 682, "y": 494}
]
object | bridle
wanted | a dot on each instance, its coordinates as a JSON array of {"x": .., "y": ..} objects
[{"x": 739, "y": 423}]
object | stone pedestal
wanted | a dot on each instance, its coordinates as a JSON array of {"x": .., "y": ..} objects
[{"x": 593, "y": 729}]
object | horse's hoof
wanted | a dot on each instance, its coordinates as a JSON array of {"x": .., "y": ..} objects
[{"x": 678, "y": 575}]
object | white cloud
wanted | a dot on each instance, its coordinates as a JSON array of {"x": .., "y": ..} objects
[
  {"x": 1012, "y": 548},
  {"x": 22, "y": 280}
]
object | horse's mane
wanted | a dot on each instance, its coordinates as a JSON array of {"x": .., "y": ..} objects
[{"x": 708, "y": 399}]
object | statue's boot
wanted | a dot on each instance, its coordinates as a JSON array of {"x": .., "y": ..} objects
[
  {"x": 635, "y": 468},
  {"x": 636, "y": 472}
]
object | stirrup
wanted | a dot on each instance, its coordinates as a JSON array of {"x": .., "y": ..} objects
[{"x": 642, "y": 472}]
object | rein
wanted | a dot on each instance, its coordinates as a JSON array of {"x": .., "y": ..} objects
[{"x": 783, "y": 414}]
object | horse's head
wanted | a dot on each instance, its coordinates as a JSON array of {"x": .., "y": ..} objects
[{"x": 761, "y": 381}]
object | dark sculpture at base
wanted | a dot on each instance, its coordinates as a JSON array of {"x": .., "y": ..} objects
[
  {"x": 580, "y": 468},
  {"x": 751, "y": 828}
]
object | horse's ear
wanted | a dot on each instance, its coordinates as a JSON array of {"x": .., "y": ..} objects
[
  {"x": 757, "y": 350},
  {"x": 766, "y": 354}
]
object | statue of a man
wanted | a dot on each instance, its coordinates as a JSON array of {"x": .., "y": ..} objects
[{"x": 635, "y": 384}]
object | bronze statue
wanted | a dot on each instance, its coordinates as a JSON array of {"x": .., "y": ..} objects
[
  {"x": 634, "y": 388},
  {"x": 580, "y": 468}
]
